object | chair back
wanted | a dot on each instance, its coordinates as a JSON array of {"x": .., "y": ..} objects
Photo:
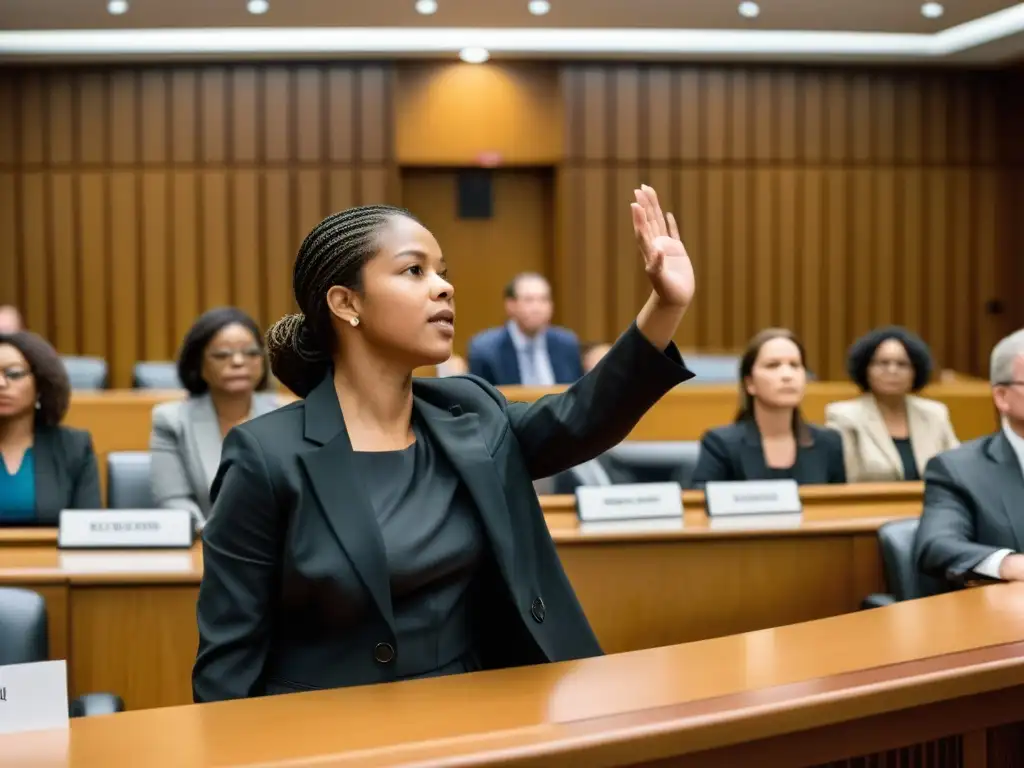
[
  {"x": 86, "y": 373},
  {"x": 22, "y": 626},
  {"x": 714, "y": 369},
  {"x": 156, "y": 375},
  {"x": 905, "y": 582},
  {"x": 128, "y": 480},
  {"x": 657, "y": 461}
]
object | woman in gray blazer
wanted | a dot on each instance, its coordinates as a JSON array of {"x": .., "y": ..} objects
[{"x": 222, "y": 364}]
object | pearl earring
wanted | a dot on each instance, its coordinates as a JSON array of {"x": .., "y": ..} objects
[{"x": 354, "y": 321}]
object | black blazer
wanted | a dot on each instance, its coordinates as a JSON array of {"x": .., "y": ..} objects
[
  {"x": 973, "y": 507},
  {"x": 735, "y": 452},
  {"x": 289, "y": 515},
  {"x": 66, "y": 473}
]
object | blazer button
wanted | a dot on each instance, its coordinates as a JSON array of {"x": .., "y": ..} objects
[
  {"x": 384, "y": 653},
  {"x": 538, "y": 610}
]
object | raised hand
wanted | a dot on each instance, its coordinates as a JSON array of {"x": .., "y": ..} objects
[{"x": 666, "y": 262}]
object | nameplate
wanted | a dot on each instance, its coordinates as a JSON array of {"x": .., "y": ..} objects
[
  {"x": 753, "y": 497},
  {"x": 125, "y": 529},
  {"x": 33, "y": 697},
  {"x": 632, "y": 501}
]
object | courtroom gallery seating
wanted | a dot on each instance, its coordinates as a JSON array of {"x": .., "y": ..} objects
[
  {"x": 896, "y": 540},
  {"x": 635, "y": 461},
  {"x": 128, "y": 480},
  {"x": 86, "y": 373},
  {"x": 23, "y": 640},
  {"x": 156, "y": 375}
]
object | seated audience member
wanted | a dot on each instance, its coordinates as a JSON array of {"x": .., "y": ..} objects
[
  {"x": 222, "y": 364},
  {"x": 888, "y": 433},
  {"x": 972, "y": 525},
  {"x": 527, "y": 349},
  {"x": 10, "y": 319},
  {"x": 769, "y": 439},
  {"x": 46, "y": 467}
]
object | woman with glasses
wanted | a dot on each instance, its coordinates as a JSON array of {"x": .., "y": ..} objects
[
  {"x": 222, "y": 365},
  {"x": 888, "y": 432},
  {"x": 44, "y": 467}
]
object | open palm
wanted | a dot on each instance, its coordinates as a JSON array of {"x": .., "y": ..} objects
[{"x": 666, "y": 262}]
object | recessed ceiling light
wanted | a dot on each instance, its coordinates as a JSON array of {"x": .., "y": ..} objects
[
  {"x": 426, "y": 7},
  {"x": 474, "y": 55},
  {"x": 932, "y": 10},
  {"x": 117, "y": 7},
  {"x": 538, "y": 7},
  {"x": 257, "y": 7},
  {"x": 749, "y": 9}
]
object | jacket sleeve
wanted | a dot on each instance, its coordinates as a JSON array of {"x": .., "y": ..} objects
[
  {"x": 712, "y": 462},
  {"x": 85, "y": 482},
  {"x": 945, "y": 545},
  {"x": 559, "y": 431},
  {"x": 168, "y": 478},
  {"x": 241, "y": 546}
]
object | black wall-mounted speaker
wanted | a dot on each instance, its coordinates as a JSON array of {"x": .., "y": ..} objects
[{"x": 475, "y": 190}]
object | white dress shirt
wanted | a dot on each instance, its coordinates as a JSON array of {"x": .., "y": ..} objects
[
  {"x": 990, "y": 565},
  {"x": 532, "y": 355}
]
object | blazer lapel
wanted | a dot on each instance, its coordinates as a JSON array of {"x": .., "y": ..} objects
[
  {"x": 752, "y": 460},
  {"x": 457, "y": 435},
  {"x": 205, "y": 434},
  {"x": 509, "y": 361},
  {"x": 51, "y": 496},
  {"x": 339, "y": 491},
  {"x": 1011, "y": 483},
  {"x": 923, "y": 439},
  {"x": 874, "y": 427}
]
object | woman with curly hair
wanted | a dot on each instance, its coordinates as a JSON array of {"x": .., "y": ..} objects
[
  {"x": 889, "y": 433},
  {"x": 45, "y": 467}
]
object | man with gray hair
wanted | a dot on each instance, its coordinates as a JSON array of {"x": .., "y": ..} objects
[{"x": 972, "y": 525}]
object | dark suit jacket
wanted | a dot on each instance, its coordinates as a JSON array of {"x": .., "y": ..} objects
[
  {"x": 66, "y": 473},
  {"x": 973, "y": 507},
  {"x": 492, "y": 356},
  {"x": 735, "y": 452},
  {"x": 291, "y": 522}
]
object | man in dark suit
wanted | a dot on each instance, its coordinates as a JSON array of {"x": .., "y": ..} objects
[
  {"x": 973, "y": 521},
  {"x": 527, "y": 349}
]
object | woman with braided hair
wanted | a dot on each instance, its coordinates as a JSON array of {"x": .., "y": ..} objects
[{"x": 386, "y": 528}]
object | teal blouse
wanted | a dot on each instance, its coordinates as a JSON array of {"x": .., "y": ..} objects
[{"x": 18, "y": 491}]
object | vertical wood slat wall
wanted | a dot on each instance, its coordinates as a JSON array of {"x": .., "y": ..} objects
[
  {"x": 133, "y": 199},
  {"x": 826, "y": 201}
]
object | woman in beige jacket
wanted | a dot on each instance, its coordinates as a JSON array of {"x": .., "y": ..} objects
[{"x": 889, "y": 433}]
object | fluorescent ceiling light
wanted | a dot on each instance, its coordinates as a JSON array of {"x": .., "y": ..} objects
[
  {"x": 257, "y": 7},
  {"x": 538, "y": 7},
  {"x": 474, "y": 55},
  {"x": 749, "y": 9},
  {"x": 523, "y": 41},
  {"x": 426, "y": 7},
  {"x": 117, "y": 7},
  {"x": 932, "y": 10}
]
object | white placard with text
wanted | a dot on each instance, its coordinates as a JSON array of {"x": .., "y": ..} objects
[
  {"x": 630, "y": 501},
  {"x": 125, "y": 529},
  {"x": 753, "y": 497},
  {"x": 33, "y": 697}
]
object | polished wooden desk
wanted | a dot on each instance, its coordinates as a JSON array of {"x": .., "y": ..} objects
[
  {"x": 936, "y": 682},
  {"x": 119, "y": 420},
  {"x": 125, "y": 621}
]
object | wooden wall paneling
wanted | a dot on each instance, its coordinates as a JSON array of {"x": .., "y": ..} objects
[
  {"x": 690, "y": 210},
  {"x": 595, "y": 113},
  {"x": 340, "y": 108},
  {"x": 765, "y": 275},
  {"x": 629, "y": 282},
  {"x": 244, "y": 101},
  {"x": 8, "y": 126},
  {"x": 212, "y": 108},
  {"x": 690, "y": 116},
  {"x": 61, "y": 117},
  {"x": 35, "y": 251},
  {"x": 912, "y": 254},
  {"x": 885, "y": 248},
  {"x": 663, "y": 118},
  {"x": 67, "y": 290},
  {"x": 938, "y": 303},
  {"x": 813, "y": 298},
  {"x": 374, "y": 113},
  {"x": 714, "y": 315},
  {"x": 185, "y": 257},
  {"x": 787, "y": 97},
  {"x": 739, "y": 117},
  {"x": 277, "y": 124},
  {"x": 279, "y": 253},
  {"x": 9, "y": 219},
  {"x": 183, "y": 116},
  {"x": 883, "y": 125},
  {"x": 812, "y": 118},
  {"x": 215, "y": 260},
  {"x": 155, "y": 135},
  {"x": 33, "y": 109},
  {"x": 155, "y": 259},
  {"x": 765, "y": 117},
  {"x": 94, "y": 210},
  {"x": 124, "y": 117},
  {"x": 987, "y": 278},
  {"x": 837, "y": 337},
  {"x": 125, "y": 309},
  {"x": 909, "y": 118},
  {"x": 738, "y": 220},
  {"x": 963, "y": 313},
  {"x": 786, "y": 282},
  {"x": 592, "y": 239},
  {"x": 625, "y": 117},
  {"x": 862, "y": 267},
  {"x": 93, "y": 110},
  {"x": 310, "y": 110},
  {"x": 245, "y": 221},
  {"x": 861, "y": 119}
]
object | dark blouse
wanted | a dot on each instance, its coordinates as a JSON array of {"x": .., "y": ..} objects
[
  {"x": 906, "y": 450},
  {"x": 434, "y": 543}
]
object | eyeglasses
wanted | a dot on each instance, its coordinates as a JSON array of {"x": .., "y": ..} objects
[
  {"x": 1010, "y": 383},
  {"x": 223, "y": 355},
  {"x": 14, "y": 374}
]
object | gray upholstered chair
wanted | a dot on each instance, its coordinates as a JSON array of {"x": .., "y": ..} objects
[
  {"x": 86, "y": 373},
  {"x": 156, "y": 375},
  {"x": 905, "y": 582},
  {"x": 128, "y": 482}
]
